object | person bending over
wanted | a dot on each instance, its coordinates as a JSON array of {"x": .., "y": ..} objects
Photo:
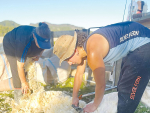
[
  {"x": 20, "y": 43},
  {"x": 128, "y": 40}
]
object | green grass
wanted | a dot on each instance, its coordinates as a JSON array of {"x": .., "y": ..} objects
[
  {"x": 142, "y": 108},
  {"x": 9, "y": 94},
  {"x": 5, "y": 107}
]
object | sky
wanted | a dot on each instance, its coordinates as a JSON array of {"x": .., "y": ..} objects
[{"x": 81, "y": 13}]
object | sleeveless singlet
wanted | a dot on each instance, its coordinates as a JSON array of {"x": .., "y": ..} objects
[{"x": 122, "y": 38}]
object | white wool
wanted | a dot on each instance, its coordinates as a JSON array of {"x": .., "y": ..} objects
[
  {"x": 146, "y": 97},
  {"x": 40, "y": 100},
  {"x": 58, "y": 101},
  {"x": 47, "y": 102},
  {"x": 110, "y": 101}
]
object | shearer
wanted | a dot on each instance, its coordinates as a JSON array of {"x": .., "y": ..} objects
[
  {"x": 127, "y": 40},
  {"x": 20, "y": 43}
]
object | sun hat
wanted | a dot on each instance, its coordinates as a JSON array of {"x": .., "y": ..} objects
[
  {"x": 65, "y": 46},
  {"x": 42, "y": 34}
]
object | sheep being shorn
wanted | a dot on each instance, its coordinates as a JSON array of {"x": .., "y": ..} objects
[
  {"x": 109, "y": 102},
  {"x": 41, "y": 100},
  {"x": 58, "y": 102}
]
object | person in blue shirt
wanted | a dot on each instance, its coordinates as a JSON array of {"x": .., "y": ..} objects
[
  {"x": 129, "y": 41},
  {"x": 22, "y": 42}
]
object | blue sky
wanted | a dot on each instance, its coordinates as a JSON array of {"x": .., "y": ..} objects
[{"x": 83, "y": 13}]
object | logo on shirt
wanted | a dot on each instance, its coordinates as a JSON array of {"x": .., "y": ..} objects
[{"x": 132, "y": 33}]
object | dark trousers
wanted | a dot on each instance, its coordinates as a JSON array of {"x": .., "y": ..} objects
[
  {"x": 134, "y": 77},
  {"x": 10, "y": 54}
]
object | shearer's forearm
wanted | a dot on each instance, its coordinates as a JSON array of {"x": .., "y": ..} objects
[
  {"x": 78, "y": 78},
  {"x": 21, "y": 71},
  {"x": 99, "y": 76},
  {"x": 77, "y": 84},
  {"x": 99, "y": 92}
]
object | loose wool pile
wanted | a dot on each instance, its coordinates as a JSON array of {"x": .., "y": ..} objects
[
  {"x": 47, "y": 102},
  {"x": 40, "y": 100}
]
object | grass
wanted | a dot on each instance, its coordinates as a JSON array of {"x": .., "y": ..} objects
[
  {"x": 142, "y": 108},
  {"x": 5, "y": 106}
]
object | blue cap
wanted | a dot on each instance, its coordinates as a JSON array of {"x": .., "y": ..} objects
[{"x": 43, "y": 43}]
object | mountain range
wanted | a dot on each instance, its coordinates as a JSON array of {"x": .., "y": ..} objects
[{"x": 53, "y": 27}]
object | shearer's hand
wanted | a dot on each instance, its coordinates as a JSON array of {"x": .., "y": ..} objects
[
  {"x": 75, "y": 101},
  {"x": 25, "y": 87},
  {"x": 89, "y": 108}
]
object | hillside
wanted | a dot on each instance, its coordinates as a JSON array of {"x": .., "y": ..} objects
[
  {"x": 60, "y": 27},
  {"x": 4, "y": 30},
  {"x": 9, "y": 23},
  {"x": 53, "y": 27}
]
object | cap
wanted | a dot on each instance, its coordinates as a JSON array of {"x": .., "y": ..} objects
[
  {"x": 65, "y": 46},
  {"x": 43, "y": 43},
  {"x": 42, "y": 34}
]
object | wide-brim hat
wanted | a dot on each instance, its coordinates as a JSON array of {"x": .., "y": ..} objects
[{"x": 65, "y": 46}]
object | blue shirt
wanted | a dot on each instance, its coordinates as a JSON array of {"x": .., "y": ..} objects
[
  {"x": 122, "y": 38},
  {"x": 21, "y": 39}
]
